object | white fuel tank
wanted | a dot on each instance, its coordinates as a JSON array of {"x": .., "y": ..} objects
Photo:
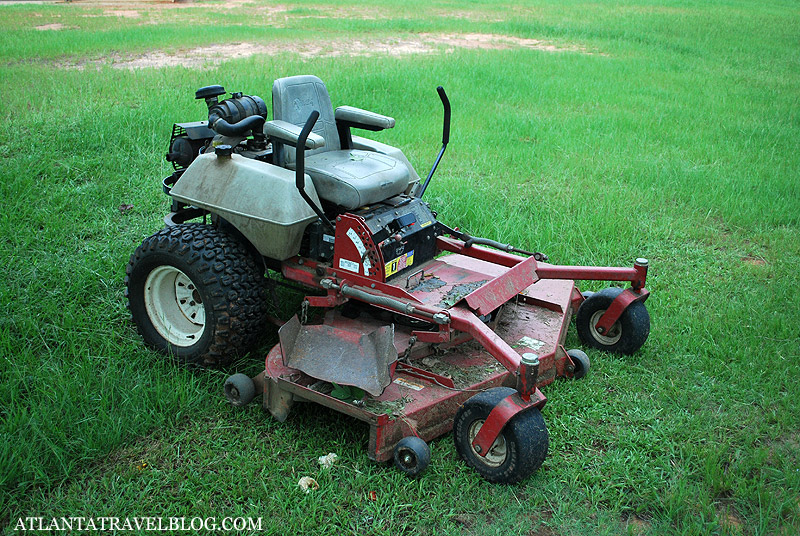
[{"x": 259, "y": 199}]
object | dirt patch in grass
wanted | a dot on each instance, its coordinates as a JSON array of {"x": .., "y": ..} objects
[
  {"x": 753, "y": 261},
  {"x": 123, "y": 13},
  {"x": 231, "y": 4},
  {"x": 636, "y": 525},
  {"x": 191, "y": 58},
  {"x": 542, "y": 523},
  {"x": 730, "y": 521},
  {"x": 50, "y": 27},
  {"x": 420, "y": 44},
  {"x": 496, "y": 42},
  {"x": 475, "y": 16}
]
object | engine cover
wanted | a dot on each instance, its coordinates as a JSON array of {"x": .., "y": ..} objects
[{"x": 386, "y": 240}]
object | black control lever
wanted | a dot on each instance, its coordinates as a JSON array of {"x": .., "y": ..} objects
[
  {"x": 300, "y": 165},
  {"x": 445, "y": 138}
]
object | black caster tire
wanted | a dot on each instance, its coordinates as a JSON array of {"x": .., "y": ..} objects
[
  {"x": 519, "y": 450},
  {"x": 412, "y": 456},
  {"x": 239, "y": 390},
  {"x": 196, "y": 294},
  {"x": 626, "y": 336},
  {"x": 581, "y": 362}
]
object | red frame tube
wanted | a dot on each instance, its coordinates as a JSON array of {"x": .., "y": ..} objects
[{"x": 636, "y": 275}]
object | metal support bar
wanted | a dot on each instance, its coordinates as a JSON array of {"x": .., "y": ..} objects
[
  {"x": 439, "y": 317},
  {"x": 595, "y": 273},
  {"x": 426, "y": 375},
  {"x": 464, "y": 320},
  {"x": 445, "y": 139},
  {"x": 636, "y": 275},
  {"x": 476, "y": 252}
]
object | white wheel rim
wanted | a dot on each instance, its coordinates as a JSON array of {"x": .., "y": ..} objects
[
  {"x": 497, "y": 452},
  {"x": 174, "y": 306},
  {"x": 614, "y": 334}
]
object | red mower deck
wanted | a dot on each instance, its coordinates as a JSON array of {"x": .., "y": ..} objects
[{"x": 429, "y": 386}]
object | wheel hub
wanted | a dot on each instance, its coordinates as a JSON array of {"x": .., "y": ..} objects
[
  {"x": 189, "y": 300},
  {"x": 174, "y": 306},
  {"x": 612, "y": 336},
  {"x": 497, "y": 453}
]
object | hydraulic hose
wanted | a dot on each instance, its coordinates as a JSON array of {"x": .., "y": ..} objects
[
  {"x": 238, "y": 115},
  {"x": 221, "y": 126}
]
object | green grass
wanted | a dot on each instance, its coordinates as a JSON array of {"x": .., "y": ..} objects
[{"x": 675, "y": 140}]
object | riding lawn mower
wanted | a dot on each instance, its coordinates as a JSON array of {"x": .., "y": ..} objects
[{"x": 407, "y": 324}]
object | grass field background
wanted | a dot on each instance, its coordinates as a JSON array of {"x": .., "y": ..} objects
[{"x": 666, "y": 129}]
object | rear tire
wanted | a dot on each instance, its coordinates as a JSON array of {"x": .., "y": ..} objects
[{"x": 196, "y": 294}]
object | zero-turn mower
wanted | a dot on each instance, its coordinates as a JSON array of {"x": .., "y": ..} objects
[{"x": 424, "y": 328}]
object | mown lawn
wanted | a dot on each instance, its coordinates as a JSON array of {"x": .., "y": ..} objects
[{"x": 662, "y": 129}]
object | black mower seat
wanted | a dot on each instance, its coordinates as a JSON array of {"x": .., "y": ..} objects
[{"x": 347, "y": 177}]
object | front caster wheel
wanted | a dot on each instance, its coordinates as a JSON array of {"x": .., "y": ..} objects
[
  {"x": 581, "y": 362},
  {"x": 628, "y": 333},
  {"x": 412, "y": 455},
  {"x": 239, "y": 390},
  {"x": 518, "y": 451},
  {"x": 197, "y": 294}
]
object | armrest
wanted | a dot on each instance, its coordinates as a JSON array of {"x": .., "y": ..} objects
[
  {"x": 356, "y": 117},
  {"x": 285, "y": 132}
]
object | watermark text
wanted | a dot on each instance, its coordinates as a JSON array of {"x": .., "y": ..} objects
[{"x": 122, "y": 524}]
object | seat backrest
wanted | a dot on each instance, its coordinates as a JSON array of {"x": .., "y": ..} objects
[{"x": 294, "y": 98}]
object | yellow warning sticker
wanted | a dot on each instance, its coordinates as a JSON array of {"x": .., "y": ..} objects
[
  {"x": 403, "y": 261},
  {"x": 409, "y": 384}
]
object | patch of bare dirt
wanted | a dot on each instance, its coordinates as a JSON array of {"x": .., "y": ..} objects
[
  {"x": 50, "y": 27},
  {"x": 494, "y": 41},
  {"x": 753, "y": 261},
  {"x": 729, "y": 519},
  {"x": 420, "y": 44},
  {"x": 232, "y": 4},
  {"x": 543, "y": 530},
  {"x": 474, "y": 16},
  {"x": 193, "y": 58},
  {"x": 274, "y": 10},
  {"x": 637, "y": 525},
  {"x": 123, "y": 13}
]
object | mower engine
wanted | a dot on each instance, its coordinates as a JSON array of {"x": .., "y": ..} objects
[
  {"x": 381, "y": 241},
  {"x": 232, "y": 118}
]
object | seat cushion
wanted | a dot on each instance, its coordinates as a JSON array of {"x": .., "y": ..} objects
[{"x": 354, "y": 178}]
